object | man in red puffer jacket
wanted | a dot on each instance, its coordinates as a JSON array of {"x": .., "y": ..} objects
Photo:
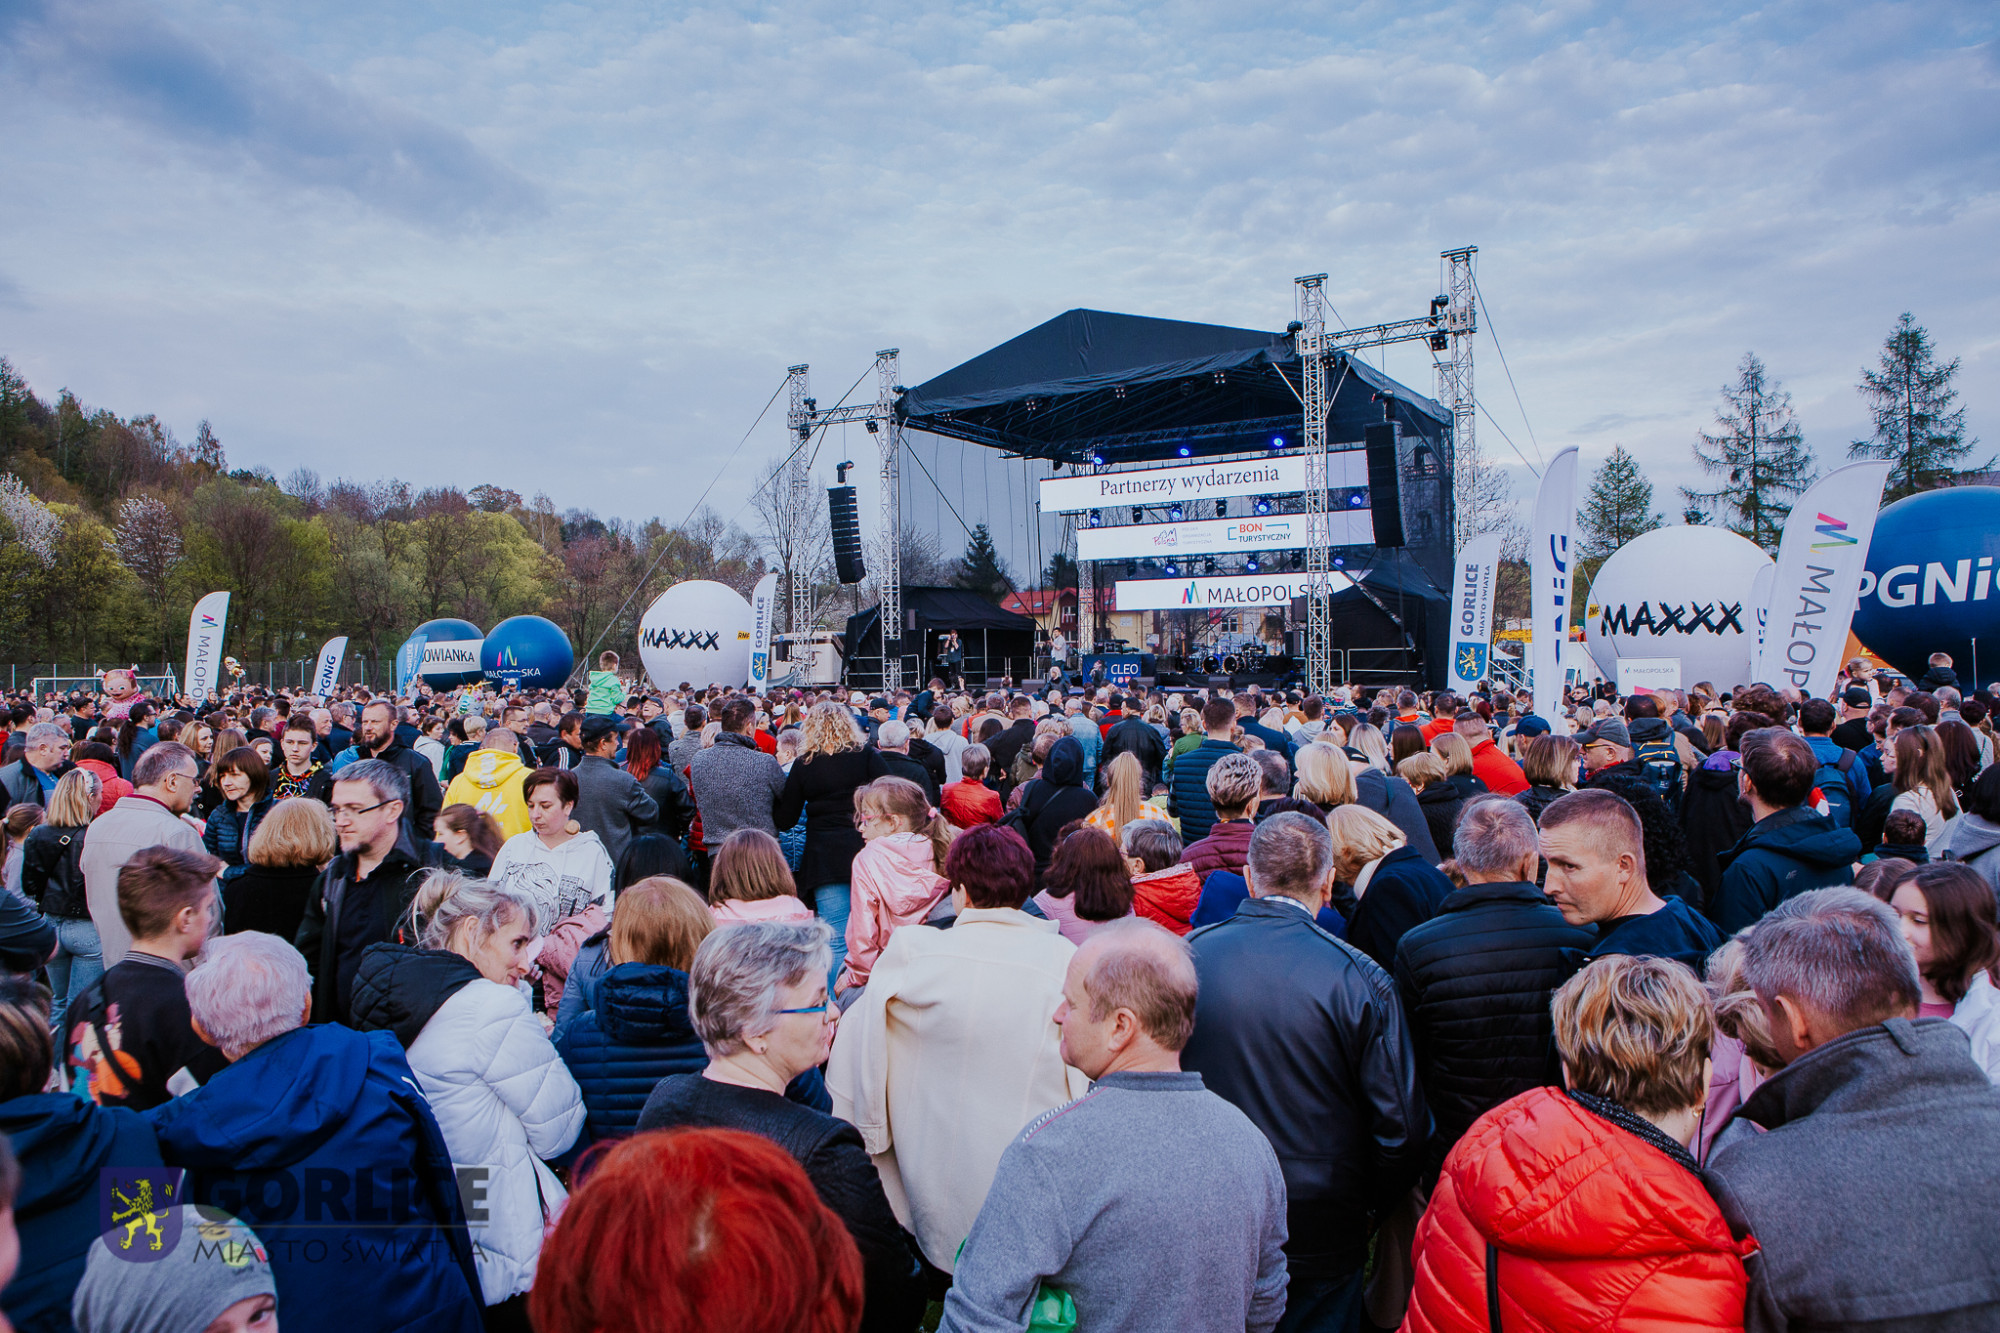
[{"x": 1584, "y": 1209}]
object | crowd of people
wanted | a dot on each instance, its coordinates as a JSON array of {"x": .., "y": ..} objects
[{"x": 1112, "y": 1009}]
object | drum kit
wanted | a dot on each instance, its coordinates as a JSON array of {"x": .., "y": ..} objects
[{"x": 1250, "y": 658}]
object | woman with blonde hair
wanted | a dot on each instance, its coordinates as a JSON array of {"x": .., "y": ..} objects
[
  {"x": 1124, "y": 796},
  {"x": 1456, "y": 753},
  {"x": 1916, "y": 764},
  {"x": 637, "y": 1030},
  {"x": 832, "y": 766},
  {"x": 1367, "y": 738},
  {"x": 1743, "y": 1054},
  {"x": 503, "y": 1098},
  {"x": 52, "y": 879},
  {"x": 291, "y": 846},
  {"x": 1392, "y": 886}
]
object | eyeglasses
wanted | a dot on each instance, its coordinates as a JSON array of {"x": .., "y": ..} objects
[
  {"x": 351, "y": 811},
  {"x": 819, "y": 1008}
]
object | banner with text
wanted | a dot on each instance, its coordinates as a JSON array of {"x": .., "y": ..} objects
[
  {"x": 1472, "y": 610},
  {"x": 1218, "y": 536},
  {"x": 1221, "y": 592},
  {"x": 204, "y": 657},
  {"x": 327, "y": 674},
  {"x": 1818, "y": 579},
  {"x": 1281, "y": 475},
  {"x": 763, "y": 598},
  {"x": 1554, "y": 537}
]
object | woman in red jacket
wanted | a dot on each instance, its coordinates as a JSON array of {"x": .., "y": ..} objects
[{"x": 1582, "y": 1209}]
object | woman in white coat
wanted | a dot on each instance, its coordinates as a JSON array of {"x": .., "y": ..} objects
[{"x": 502, "y": 1096}]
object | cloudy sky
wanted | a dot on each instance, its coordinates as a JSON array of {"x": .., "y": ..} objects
[{"x": 572, "y": 247}]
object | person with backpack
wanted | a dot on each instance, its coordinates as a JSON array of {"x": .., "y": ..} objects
[{"x": 1841, "y": 778}]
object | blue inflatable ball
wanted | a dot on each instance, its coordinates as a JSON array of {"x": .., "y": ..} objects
[
  {"x": 1929, "y": 586},
  {"x": 528, "y": 652},
  {"x": 444, "y": 654}
]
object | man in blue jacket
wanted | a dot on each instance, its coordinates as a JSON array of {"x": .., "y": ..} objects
[
  {"x": 1842, "y": 778},
  {"x": 318, "y": 1138},
  {"x": 1790, "y": 847},
  {"x": 1187, "y": 776}
]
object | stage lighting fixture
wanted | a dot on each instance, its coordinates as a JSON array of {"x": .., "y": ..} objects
[
  {"x": 1138, "y": 514},
  {"x": 1096, "y": 518},
  {"x": 1131, "y": 568},
  {"x": 1250, "y": 565},
  {"x": 1184, "y": 451},
  {"x": 1340, "y": 562},
  {"x": 1097, "y": 459},
  {"x": 1356, "y": 500},
  {"x": 1208, "y": 565},
  {"x": 1298, "y": 560},
  {"x": 874, "y": 426},
  {"x": 1222, "y": 509},
  {"x": 1277, "y": 441},
  {"x": 1174, "y": 514},
  {"x": 1172, "y": 570},
  {"x": 1262, "y": 505}
]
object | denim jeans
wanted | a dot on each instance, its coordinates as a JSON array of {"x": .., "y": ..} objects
[
  {"x": 831, "y": 901},
  {"x": 78, "y": 961}
]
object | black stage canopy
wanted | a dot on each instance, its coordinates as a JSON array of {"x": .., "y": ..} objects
[
  {"x": 1129, "y": 388},
  {"x": 996, "y": 642},
  {"x": 1374, "y": 648}
]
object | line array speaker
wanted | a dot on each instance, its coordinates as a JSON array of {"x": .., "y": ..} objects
[
  {"x": 1384, "y": 497},
  {"x": 845, "y": 517}
]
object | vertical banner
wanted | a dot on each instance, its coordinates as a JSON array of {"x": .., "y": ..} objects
[
  {"x": 1472, "y": 611},
  {"x": 762, "y": 598},
  {"x": 327, "y": 674},
  {"x": 1818, "y": 579},
  {"x": 1760, "y": 606},
  {"x": 1549, "y": 559},
  {"x": 204, "y": 659}
]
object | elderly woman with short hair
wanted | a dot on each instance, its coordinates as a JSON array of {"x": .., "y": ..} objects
[
  {"x": 757, "y": 994},
  {"x": 1559, "y": 1204}
]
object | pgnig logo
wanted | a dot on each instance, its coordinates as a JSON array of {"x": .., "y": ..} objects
[{"x": 1911, "y": 585}]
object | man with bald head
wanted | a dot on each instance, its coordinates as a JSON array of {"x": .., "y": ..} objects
[
  {"x": 1596, "y": 850},
  {"x": 1304, "y": 1034},
  {"x": 1080, "y": 1197}
]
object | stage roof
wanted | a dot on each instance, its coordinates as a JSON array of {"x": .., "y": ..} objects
[{"x": 1129, "y": 387}]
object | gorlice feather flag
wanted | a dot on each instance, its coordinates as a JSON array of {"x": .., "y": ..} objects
[
  {"x": 1820, "y": 562},
  {"x": 327, "y": 674},
  {"x": 763, "y": 598},
  {"x": 1549, "y": 561},
  {"x": 1472, "y": 610},
  {"x": 204, "y": 656}
]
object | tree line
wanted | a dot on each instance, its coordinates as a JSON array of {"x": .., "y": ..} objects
[{"x": 111, "y": 529}]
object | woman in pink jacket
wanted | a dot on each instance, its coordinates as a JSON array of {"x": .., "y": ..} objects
[{"x": 896, "y": 875}]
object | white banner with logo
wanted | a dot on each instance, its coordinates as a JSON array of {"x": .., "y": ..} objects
[
  {"x": 204, "y": 656},
  {"x": 1818, "y": 579},
  {"x": 1218, "y": 536},
  {"x": 1549, "y": 558},
  {"x": 1472, "y": 610},
  {"x": 763, "y": 598},
  {"x": 1283, "y": 474},
  {"x": 326, "y": 675},
  {"x": 1224, "y": 591}
]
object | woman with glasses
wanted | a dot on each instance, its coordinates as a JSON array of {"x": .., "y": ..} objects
[{"x": 758, "y": 998}]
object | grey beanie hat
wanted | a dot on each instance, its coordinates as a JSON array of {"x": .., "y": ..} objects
[{"x": 214, "y": 1262}]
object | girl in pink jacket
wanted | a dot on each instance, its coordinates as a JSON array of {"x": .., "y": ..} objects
[
  {"x": 896, "y": 879},
  {"x": 750, "y": 881}
]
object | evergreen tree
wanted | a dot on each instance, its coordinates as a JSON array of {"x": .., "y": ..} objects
[
  {"x": 1061, "y": 571},
  {"x": 1916, "y": 426},
  {"x": 1618, "y": 508},
  {"x": 981, "y": 570},
  {"x": 1758, "y": 448}
]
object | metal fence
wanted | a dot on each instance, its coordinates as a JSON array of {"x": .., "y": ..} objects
[{"x": 61, "y": 677}]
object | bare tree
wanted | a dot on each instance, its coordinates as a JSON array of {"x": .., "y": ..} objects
[
  {"x": 149, "y": 542},
  {"x": 794, "y": 526},
  {"x": 302, "y": 483}
]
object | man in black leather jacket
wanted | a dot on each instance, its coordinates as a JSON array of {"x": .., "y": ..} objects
[{"x": 1305, "y": 1036}]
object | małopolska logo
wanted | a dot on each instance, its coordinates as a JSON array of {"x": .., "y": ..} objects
[{"x": 135, "y": 1211}]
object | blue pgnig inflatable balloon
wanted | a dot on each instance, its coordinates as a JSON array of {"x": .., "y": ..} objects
[
  {"x": 1930, "y": 584},
  {"x": 444, "y": 653},
  {"x": 528, "y": 652}
]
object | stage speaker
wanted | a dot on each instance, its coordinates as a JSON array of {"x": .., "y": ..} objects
[
  {"x": 1384, "y": 498},
  {"x": 845, "y": 517}
]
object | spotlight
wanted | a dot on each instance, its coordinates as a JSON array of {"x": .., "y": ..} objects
[
  {"x": 1298, "y": 559},
  {"x": 1174, "y": 514},
  {"x": 1172, "y": 570},
  {"x": 874, "y": 426},
  {"x": 1097, "y": 459},
  {"x": 1222, "y": 509},
  {"x": 1138, "y": 514},
  {"x": 1262, "y": 505},
  {"x": 1250, "y": 565},
  {"x": 1277, "y": 441},
  {"x": 1131, "y": 568},
  {"x": 1184, "y": 451},
  {"x": 1096, "y": 518},
  {"x": 1340, "y": 562},
  {"x": 1208, "y": 565}
]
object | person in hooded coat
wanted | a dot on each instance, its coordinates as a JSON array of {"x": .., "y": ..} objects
[
  {"x": 64, "y": 1145},
  {"x": 321, "y": 1104},
  {"x": 502, "y": 1097},
  {"x": 1973, "y": 838},
  {"x": 1053, "y": 800},
  {"x": 491, "y": 780},
  {"x": 1582, "y": 1208},
  {"x": 637, "y": 1029}
]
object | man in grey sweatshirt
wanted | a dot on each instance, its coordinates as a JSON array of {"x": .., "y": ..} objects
[{"x": 1150, "y": 1201}]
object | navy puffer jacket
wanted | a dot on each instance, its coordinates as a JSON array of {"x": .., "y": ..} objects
[{"x": 638, "y": 1033}]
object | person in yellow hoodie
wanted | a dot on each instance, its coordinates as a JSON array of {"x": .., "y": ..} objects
[{"x": 492, "y": 782}]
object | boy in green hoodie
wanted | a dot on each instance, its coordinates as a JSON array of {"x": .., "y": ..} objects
[{"x": 606, "y": 693}]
